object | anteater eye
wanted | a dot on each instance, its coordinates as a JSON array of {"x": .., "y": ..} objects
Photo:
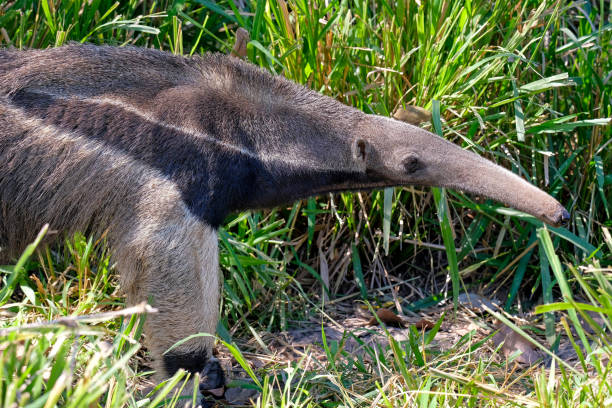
[{"x": 411, "y": 164}]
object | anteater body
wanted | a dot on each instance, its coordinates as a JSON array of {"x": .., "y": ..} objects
[{"x": 155, "y": 150}]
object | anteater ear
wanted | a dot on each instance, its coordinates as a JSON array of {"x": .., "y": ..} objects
[{"x": 361, "y": 151}]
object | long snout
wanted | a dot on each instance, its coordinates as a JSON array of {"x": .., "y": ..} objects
[
  {"x": 415, "y": 156},
  {"x": 469, "y": 172}
]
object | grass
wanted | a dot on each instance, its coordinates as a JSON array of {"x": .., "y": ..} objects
[{"x": 526, "y": 84}]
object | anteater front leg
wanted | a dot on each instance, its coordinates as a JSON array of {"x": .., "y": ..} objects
[{"x": 169, "y": 258}]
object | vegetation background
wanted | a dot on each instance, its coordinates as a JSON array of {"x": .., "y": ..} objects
[{"x": 524, "y": 83}]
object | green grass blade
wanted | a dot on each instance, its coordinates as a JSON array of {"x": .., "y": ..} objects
[
  {"x": 388, "y": 202},
  {"x": 16, "y": 273},
  {"x": 358, "y": 272}
]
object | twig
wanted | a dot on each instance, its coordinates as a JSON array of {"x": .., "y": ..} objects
[{"x": 73, "y": 321}]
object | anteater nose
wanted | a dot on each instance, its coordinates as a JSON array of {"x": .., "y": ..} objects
[
  {"x": 562, "y": 217},
  {"x": 565, "y": 216}
]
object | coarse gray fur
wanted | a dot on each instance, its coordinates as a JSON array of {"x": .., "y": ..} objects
[{"x": 157, "y": 149}]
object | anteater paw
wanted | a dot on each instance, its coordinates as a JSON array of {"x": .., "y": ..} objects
[{"x": 212, "y": 379}]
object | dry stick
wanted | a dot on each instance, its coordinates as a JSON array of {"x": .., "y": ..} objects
[
  {"x": 5, "y": 35},
  {"x": 525, "y": 401},
  {"x": 352, "y": 295},
  {"x": 73, "y": 321},
  {"x": 423, "y": 244},
  {"x": 512, "y": 263}
]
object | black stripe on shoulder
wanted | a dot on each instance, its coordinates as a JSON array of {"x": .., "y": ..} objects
[{"x": 213, "y": 179}]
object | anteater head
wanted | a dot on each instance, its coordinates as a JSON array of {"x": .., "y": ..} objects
[
  {"x": 355, "y": 151},
  {"x": 396, "y": 153}
]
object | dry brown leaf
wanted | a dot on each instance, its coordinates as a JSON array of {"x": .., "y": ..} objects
[
  {"x": 39, "y": 286},
  {"x": 240, "y": 46},
  {"x": 414, "y": 115},
  {"x": 216, "y": 392},
  {"x": 387, "y": 317},
  {"x": 424, "y": 324},
  {"x": 513, "y": 342}
]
